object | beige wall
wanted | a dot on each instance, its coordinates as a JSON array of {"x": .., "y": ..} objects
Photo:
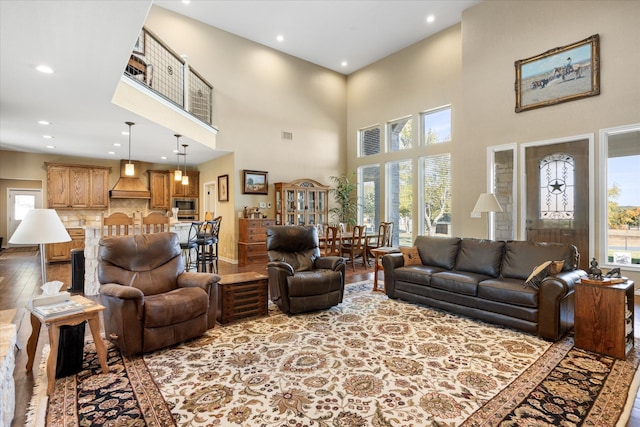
[{"x": 480, "y": 55}]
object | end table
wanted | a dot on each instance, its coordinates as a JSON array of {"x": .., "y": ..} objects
[{"x": 378, "y": 253}]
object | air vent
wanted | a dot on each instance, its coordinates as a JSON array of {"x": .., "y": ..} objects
[{"x": 287, "y": 135}]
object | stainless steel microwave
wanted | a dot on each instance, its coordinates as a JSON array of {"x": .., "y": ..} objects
[{"x": 186, "y": 205}]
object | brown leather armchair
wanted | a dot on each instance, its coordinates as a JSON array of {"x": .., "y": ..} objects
[
  {"x": 300, "y": 280},
  {"x": 150, "y": 301}
]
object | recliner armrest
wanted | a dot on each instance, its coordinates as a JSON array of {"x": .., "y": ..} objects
[
  {"x": 191, "y": 279},
  {"x": 120, "y": 291},
  {"x": 328, "y": 262},
  {"x": 281, "y": 264}
]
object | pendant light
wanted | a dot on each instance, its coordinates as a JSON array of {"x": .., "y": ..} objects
[
  {"x": 185, "y": 178},
  {"x": 177, "y": 175},
  {"x": 129, "y": 169}
]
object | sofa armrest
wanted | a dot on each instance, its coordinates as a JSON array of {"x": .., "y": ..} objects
[
  {"x": 390, "y": 262},
  {"x": 328, "y": 262},
  {"x": 555, "y": 298}
]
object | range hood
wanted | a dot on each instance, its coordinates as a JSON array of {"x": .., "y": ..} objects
[{"x": 129, "y": 187}]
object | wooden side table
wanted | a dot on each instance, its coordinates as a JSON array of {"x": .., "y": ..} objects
[
  {"x": 90, "y": 314},
  {"x": 242, "y": 295},
  {"x": 378, "y": 253},
  {"x": 604, "y": 318}
]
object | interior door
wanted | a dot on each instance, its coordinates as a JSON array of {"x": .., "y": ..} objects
[
  {"x": 20, "y": 201},
  {"x": 557, "y": 182}
]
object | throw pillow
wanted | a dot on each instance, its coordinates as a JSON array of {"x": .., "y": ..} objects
[
  {"x": 555, "y": 267},
  {"x": 537, "y": 275},
  {"x": 411, "y": 256}
]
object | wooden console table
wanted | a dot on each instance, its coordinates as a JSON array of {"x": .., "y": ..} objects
[{"x": 90, "y": 314}]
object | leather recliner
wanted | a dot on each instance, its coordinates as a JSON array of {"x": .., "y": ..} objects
[
  {"x": 300, "y": 280},
  {"x": 150, "y": 301}
]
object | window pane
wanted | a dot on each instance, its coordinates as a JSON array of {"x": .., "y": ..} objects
[
  {"x": 436, "y": 126},
  {"x": 23, "y": 203},
  {"x": 623, "y": 191},
  {"x": 369, "y": 141},
  {"x": 369, "y": 181},
  {"x": 400, "y": 200},
  {"x": 400, "y": 134},
  {"x": 437, "y": 195},
  {"x": 557, "y": 186}
]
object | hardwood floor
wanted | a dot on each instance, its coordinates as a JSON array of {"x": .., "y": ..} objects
[{"x": 20, "y": 280}]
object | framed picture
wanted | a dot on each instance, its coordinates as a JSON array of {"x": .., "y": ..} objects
[
  {"x": 559, "y": 75},
  {"x": 223, "y": 188},
  {"x": 139, "y": 46},
  {"x": 255, "y": 182}
]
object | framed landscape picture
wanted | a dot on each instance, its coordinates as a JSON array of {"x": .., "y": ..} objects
[
  {"x": 559, "y": 75},
  {"x": 223, "y": 188},
  {"x": 255, "y": 182}
]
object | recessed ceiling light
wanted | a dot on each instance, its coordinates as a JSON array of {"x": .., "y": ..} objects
[
  {"x": 163, "y": 157},
  {"x": 112, "y": 152},
  {"x": 430, "y": 19},
  {"x": 44, "y": 69},
  {"x": 43, "y": 122},
  {"x": 124, "y": 132},
  {"x": 344, "y": 63},
  {"x": 280, "y": 38},
  {"x": 47, "y": 136},
  {"x": 186, "y": 1},
  {"x": 51, "y": 147},
  {"x": 117, "y": 144}
]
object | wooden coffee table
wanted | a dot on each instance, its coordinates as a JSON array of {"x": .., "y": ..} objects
[{"x": 242, "y": 295}]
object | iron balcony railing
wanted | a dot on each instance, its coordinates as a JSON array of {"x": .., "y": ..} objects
[{"x": 163, "y": 71}]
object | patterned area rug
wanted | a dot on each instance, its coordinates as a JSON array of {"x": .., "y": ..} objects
[{"x": 369, "y": 361}]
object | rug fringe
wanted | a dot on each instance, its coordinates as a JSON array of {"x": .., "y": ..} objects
[{"x": 37, "y": 409}]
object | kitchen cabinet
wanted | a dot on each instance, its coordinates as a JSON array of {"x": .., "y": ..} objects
[
  {"x": 301, "y": 202},
  {"x": 77, "y": 186},
  {"x": 160, "y": 188},
  {"x": 191, "y": 190},
  {"x": 57, "y": 252},
  {"x": 252, "y": 242}
]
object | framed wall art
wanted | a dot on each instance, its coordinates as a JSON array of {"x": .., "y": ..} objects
[
  {"x": 559, "y": 75},
  {"x": 255, "y": 182},
  {"x": 223, "y": 188}
]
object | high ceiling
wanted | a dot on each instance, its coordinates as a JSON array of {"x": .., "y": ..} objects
[{"x": 76, "y": 98}]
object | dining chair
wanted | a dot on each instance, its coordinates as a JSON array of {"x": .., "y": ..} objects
[
  {"x": 332, "y": 241},
  {"x": 356, "y": 246},
  {"x": 154, "y": 222},
  {"x": 384, "y": 238},
  {"x": 117, "y": 224}
]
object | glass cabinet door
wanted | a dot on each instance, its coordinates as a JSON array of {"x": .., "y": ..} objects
[
  {"x": 301, "y": 219},
  {"x": 291, "y": 201},
  {"x": 301, "y": 200},
  {"x": 278, "y": 202},
  {"x": 312, "y": 219},
  {"x": 290, "y": 219},
  {"x": 312, "y": 196}
]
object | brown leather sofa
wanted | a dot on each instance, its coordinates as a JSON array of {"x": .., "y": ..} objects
[
  {"x": 485, "y": 280},
  {"x": 300, "y": 280},
  {"x": 150, "y": 301}
]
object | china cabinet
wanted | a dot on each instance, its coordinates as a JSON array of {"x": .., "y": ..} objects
[{"x": 301, "y": 202}]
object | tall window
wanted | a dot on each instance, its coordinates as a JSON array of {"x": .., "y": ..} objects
[
  {"x": 369, "y": 141},
  {"x": 621, "y": 240},
  {"x": 557, "y": 186},
  {"x": 400, "y": 200},
  {"x": 437, "y": 194},
  {"x": 399, "y": 134},
  {"x": 369, "y": 182},
  {"x": 436, "y": 126}
]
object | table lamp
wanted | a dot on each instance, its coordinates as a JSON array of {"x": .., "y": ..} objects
[
  {"x": 487, "y": 202},
  {"x": 40, "y": 226}
]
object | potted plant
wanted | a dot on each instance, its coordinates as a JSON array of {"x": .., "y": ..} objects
[{"x": 345, "y": 196}]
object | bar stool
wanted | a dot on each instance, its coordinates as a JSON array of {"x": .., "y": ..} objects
[
  {"x": 208, "y": 245},
  {"x": 190, "y": 244}
]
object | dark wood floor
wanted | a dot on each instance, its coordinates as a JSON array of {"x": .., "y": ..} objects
[{"x": 20, "y": 280}]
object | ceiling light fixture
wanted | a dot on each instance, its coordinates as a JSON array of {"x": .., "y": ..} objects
[
  {"x": 280, "y": 38},
  {"x": 45, "y": 69},
  {"x": 430, "y": 19},
  {"x": 185, "y": 178},
  {"x": 177, "y": 175},
  {"x": 47, "y": 136},
  {"x": 344, "y": 63},
  {"x": 43, "y": 122},
  {"x": 129, "y": 169}
]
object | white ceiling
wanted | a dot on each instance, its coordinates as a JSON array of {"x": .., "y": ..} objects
[{"x": 87, "y": 43}]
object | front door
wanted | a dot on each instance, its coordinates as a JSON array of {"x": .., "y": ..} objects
[{"x": 557, "y": 196}]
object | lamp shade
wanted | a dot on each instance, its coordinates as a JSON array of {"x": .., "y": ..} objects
[
  {"x": 40, "y": 226},
  {"x": 487, "y": 202}
]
